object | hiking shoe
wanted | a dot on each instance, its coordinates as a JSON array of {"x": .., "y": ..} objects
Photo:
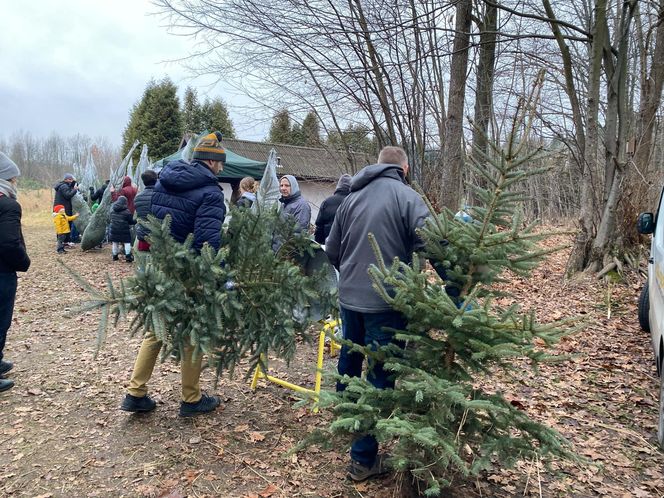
[
  {"x": 116, "y": 257},
  {"x": 129, "y": 258},
  {"x": 135, "y": 404},
  {"x": 5, "y": 366},
  {"x": 358, "y": 472},
  {"x": 6, "y": 384},
  {"x": 204, "y": 405}
]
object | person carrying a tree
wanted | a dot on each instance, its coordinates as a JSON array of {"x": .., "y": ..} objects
[
  {"x": 128, "y": 190},
  {"x": 380, "y": 203},
  {"x": 62, "y": 222},
  {"x": 190, "y": 194}
]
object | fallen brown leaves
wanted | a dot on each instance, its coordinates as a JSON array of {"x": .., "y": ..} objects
[{"x": 62, "y": 434}]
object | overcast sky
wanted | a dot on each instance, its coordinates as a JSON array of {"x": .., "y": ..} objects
[{"x": 73, "y": 66}]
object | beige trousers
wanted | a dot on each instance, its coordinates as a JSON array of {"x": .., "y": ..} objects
[{"x": 144, "y": 365}]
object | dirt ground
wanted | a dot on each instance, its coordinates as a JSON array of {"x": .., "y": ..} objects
[{"x": 63, "y": 436}]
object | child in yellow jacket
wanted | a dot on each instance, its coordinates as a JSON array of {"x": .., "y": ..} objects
[{"x": 61, "y": 222}]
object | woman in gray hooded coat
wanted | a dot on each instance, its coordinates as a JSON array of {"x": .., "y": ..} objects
[{"x": 294, "y": 205}]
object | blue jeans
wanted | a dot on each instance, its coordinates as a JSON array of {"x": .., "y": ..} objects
[
  {"x": 74, "y": 236},
  {"x": 8, "y": 283},
  {"x": 366, "y": 329}
]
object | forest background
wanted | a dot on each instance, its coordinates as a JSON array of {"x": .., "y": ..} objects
[{"x": 435, "y": 77}]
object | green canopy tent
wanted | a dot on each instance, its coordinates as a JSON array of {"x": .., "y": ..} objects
[{"x": 236, "y": 167}]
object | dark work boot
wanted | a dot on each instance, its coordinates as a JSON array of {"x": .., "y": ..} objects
[
  {"x": 6, "y": 384},
  {"x": 204, "y": 405},
  {"x": 116, "y": 257},
  {"x": 129, "y": 258},
  {"x": 358, "y": 472},
  {"x": 135, "y": 404},
  {"x": 5, "y": 366}
]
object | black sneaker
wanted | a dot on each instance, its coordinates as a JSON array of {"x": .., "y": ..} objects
[
  {"x": 116, "y": 257},
  {"x": 358, "y": 472},
  {"x": 129, "y": 258},
  {"x": 135, "y": 404},
  {"x": 204, "y": 405},
  {"x": 5, "y": 366},
  {"x": 6, "y": 384}
]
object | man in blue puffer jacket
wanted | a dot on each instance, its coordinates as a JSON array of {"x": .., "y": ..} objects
[{"x": 191, "y": 195}]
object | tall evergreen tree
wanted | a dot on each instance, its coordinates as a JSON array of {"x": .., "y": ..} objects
[
  {"x": 215, "y": 117},
  {"x": 192, "y": 116},
  {"x": 134, "y": 127},
  {"x": 357, "y": 137},
  {"x": 296, "y": 136},
  {"x": 281, "y": 128},
  {"x": 155, "y": 121},
  {"x": 311, "y": 130}
]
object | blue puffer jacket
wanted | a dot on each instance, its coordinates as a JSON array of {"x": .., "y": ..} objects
[
  {"x": 143, "y": 205},
  {"x": 189, "y": 192}
]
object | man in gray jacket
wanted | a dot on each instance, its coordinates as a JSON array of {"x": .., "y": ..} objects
[{"x": 382, "y": 204}]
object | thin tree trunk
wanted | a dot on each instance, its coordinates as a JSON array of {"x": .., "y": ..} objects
[
  {"x": 618, "y": 114},
  {"x": 585, "y": 142},
  {"x": 453, "y": 156},
  {"x": 485, "y": 75}
]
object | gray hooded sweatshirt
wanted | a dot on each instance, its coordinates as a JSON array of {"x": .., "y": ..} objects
[{"x": 379, "y": 203}]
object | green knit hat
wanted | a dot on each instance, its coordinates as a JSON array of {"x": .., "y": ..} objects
[{"x": 210, "y": 148}]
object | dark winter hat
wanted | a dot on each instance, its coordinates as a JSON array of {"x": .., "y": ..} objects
[
  {"x": 57, "y": 208},
  {"x": 8, "y": 168},
  {"x": 344, "y": 182},
  {"x": 68, "y": 176},
  {"x": 121, "y": 203},
  {"x": 210, "y": 148}
]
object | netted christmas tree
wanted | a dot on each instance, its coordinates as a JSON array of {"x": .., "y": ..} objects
[
  {"x": 438, "y": 423},
  {"x": 242, "y": 301}
]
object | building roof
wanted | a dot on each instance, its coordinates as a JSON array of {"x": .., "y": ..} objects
[{"x": 302, "y": 162}]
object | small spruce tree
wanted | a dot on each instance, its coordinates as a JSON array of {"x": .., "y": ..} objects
[
  {"x": 244, "y": 300},
  {"x": 438, "y": 422}
]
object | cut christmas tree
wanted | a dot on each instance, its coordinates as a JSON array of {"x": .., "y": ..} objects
[
  {"x": 438, "y": 423},
  {"x": 241, "y": 301}
]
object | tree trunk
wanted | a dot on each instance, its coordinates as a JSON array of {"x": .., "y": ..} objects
[
  {"x": 585, "y": 142},
  {"x": 485, "y": 74},
  {"x": 452, "y": 158},
  {"x": 617, "y": 119}
]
